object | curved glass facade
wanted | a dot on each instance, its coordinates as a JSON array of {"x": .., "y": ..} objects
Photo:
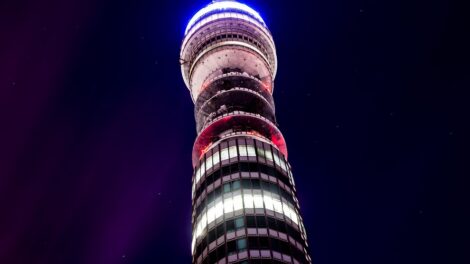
[{"x": 243, "y": 189}]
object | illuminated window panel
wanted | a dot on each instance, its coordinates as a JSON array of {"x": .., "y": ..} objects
[
  {"x": 258, "y": 201},
  {"x": 198, "y": 176},
  {"x": 291, "y": 178},
  {"x": 242, "y": 150},
  {"x": 251, "y": 151},
  {"x": 269, "y": 155},
  {"x": 283, "y": 165},
  {"x": 228, "y": 205},
  {"x": 260, "y": 152},
  {"x": 247, "y": 200},
  {"x": 233, "y": 152},
  {"x": 219, "y": 208},
  {"x": 209, "y": 163},
  {"x": 276, "y": 159},
  {"x": 268, "y": 201},
  {"x": 224, "y": 154},
  {"x": 216, "y": 158},
  {"x": 237, "y": 202}
]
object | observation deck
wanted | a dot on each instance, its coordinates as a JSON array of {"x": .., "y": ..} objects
[{"x": 222, "y": 36}]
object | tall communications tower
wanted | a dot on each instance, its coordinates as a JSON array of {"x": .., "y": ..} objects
[{"x": 244, "y": 201}]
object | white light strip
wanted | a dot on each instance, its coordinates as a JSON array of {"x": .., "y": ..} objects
[
  {"x": 221, "y": 206},
  {"x": 245, "y": 151},
  {"x": 222, "y": 6}
]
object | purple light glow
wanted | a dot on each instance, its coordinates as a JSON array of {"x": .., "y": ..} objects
[{"x": 223, "y": 6}]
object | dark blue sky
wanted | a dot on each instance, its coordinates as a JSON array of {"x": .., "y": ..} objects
[{"x": 97, "y": 129}]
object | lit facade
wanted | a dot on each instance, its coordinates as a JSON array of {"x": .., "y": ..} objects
[{"x": 244, "y": 201}]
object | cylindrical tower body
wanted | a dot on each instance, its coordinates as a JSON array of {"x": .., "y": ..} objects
[{"x": 244, "y": 201}]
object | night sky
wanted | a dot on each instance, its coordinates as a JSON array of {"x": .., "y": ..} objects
[{"x": 97, "y": 129}]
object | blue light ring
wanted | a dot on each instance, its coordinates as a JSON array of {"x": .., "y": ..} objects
[
  {"x": 215, "y": 12},
  {"x": 223, "y": 6}
]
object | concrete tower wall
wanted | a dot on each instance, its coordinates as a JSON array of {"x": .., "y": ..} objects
[{"x": 245, "y": 208}]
